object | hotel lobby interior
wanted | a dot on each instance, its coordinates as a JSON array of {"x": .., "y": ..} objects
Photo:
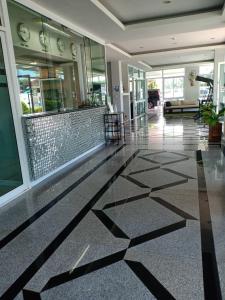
[{"x": 112, "y": 144}]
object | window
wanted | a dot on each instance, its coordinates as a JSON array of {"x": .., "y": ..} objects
[
  {"x": 170, "y": 82},
  {"x": 173, "y": 88},
  {"x": 205, "y": 71},
  {"x": 57, "y": 69}
]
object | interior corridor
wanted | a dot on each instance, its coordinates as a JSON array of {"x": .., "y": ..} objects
[{"x": 143, "y": 220}]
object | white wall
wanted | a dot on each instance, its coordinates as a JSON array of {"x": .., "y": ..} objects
[
  {"x": 191, "y": 92},
  {"x": 117, "y": 85},
  {"x": 219, "y": 57}
]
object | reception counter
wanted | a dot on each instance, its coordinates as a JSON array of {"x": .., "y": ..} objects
[{"x": 54, "y": 139}]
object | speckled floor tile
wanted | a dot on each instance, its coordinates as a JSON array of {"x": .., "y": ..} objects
[
  {"x": 141, "y": 217},
  {"x": 157, "y": 178},
  {"x": 90, "y": 241},
  {"x": 175, "y": 260},
  {"x": 121, "y": 189},
  {"x": 115, "y": 282}
]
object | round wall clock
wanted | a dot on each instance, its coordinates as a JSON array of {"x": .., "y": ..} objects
[
  {"x": 74, "y": 49},
  {"x": 44, "y": 38},
  {"x": 60, "y": 45},
  {"x": 23, "y": 32}
]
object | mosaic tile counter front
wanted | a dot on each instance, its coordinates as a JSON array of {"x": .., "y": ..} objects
[{"x": 54, "y": 140}]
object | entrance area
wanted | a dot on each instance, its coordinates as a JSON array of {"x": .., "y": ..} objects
[{"x": 10, "y": 170}]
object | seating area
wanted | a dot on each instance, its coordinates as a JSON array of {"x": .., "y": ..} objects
[{"x": 180, "y": 106}]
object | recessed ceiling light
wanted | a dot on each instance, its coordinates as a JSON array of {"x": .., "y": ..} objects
[{"x": 167, "y": 1}]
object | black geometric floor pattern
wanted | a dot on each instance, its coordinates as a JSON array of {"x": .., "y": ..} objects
[{"x": 144, "y": 275}]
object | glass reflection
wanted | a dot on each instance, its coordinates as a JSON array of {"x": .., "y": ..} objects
[{"x": 57, "y": 69}]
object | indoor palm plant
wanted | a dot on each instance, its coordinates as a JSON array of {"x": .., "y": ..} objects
[{"x": 212, "y": 118}]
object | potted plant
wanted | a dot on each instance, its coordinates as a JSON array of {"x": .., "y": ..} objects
[{"x": 212, "y": 118}]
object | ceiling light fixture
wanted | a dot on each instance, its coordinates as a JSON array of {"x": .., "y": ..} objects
[{"x": 167, "y": 2}]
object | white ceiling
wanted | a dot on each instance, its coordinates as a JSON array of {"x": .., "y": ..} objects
[
  {"x": 182, "y": 58},
  {"x": 134, "y": 10},
  {"x": 209, "y": 37},
  {"x": 146, "y": 26}
]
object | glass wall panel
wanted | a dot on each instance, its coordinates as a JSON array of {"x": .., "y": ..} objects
[
  {"x": 10, "y": 171},
  {"x": 137, "y": 86},
  {"x": 221, "y": 84},
  {"x": 57, "y": 69},
  {"x": 206, "y": 71},
  {"x": 98, "y": 73}
]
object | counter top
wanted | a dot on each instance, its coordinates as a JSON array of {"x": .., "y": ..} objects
[{"x": 52, "y": 113}]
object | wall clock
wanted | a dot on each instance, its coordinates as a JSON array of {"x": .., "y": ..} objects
[
  {"x": 74, "y": 50},
  {"x": 44, "y": 39},
  {"x": 23, "y": 32},
  {"x": 61, "y": 45}
]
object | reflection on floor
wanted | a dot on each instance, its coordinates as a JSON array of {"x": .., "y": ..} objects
[{"x": 143, "y": 220}]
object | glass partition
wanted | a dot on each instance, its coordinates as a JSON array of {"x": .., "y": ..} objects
[
  {"x": 221, "y": 87},
  {"x": 138, "y": 93},
  {"x": 57, "y": 69},
  {"x": 10, "y": 171},
  {"x": 98, "y": 72}
]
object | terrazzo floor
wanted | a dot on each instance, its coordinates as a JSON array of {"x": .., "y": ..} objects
[{"x": 143, "y": 220}]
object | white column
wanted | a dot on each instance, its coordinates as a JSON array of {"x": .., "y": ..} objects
[
  {"x": 219, "y": 57},
  {"x": 126, "y": 92},
  {"x": 117, "y": 85},
  {"x": 191, "y": 92}
]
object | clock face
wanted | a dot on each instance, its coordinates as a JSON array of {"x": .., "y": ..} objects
[
  {"x": 23, "y": 32},
  {"x": 60, "y": 45},
  {"x": 44, "y": 39},
  {"x": 74, "y": 50}
]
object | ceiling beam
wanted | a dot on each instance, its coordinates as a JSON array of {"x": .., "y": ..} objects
[
  {"x": 108, "y": 13},
  {"x": 223, "y": 11},
  {"x": 178, "y": 50},
  {"x": 144, "y": 64},
  {"x": 154, "y": 67},
  {"x": 116, "y": 48},
  {"x": 187, "y": 18}
]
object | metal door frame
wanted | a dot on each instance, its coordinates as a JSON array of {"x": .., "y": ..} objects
[{"x": 13, "y": 88}]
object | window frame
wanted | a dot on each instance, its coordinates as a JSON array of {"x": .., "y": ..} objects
[
  {"x": 173, "y": 97},
  {"x": 203, "y": 86}
]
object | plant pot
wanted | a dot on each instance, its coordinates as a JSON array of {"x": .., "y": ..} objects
[{"x": 215, "y": 133}]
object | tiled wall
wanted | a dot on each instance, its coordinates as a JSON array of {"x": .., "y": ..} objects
[{"x": 54, "y": 140}]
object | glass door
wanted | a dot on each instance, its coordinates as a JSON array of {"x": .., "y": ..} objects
[
  {"x": 221, "y": 87},
  {"x": 10, "y": 169}
]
